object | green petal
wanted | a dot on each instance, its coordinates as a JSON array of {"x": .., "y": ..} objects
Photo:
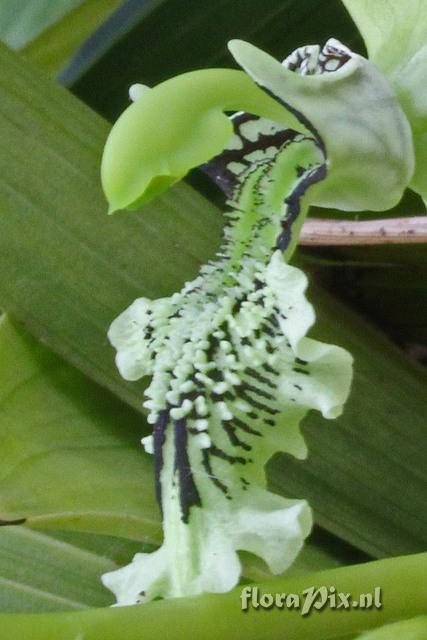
[
  {"x": 365, "y": 132},
  {"x": 174, "y": 127},
  {"x": 393, "y": 30},
  {"x": 410, "y": 84},
  {"x": 395, "y": 33}
]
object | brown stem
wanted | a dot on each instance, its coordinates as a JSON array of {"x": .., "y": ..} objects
[{"x": 342, "y": 232}]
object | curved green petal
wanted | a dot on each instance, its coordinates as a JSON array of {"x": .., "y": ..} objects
[
  {"x": 410, "y": 84},
  {"x": 395, "y": 33},
  {"x": 366, "y": 135},
  {"x": 393, "y": 30},
  {"x": 174, "y": 127}
]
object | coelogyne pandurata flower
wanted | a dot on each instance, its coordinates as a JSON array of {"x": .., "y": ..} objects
[{"x": 233, "y": 372}]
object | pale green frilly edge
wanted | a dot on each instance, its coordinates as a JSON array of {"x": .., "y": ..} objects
[{"x": 202, "y": 555}]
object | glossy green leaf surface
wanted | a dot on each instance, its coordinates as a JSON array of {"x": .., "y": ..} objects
[
  {"x": 413, "y": 629},
  {"x": 52, "y": 48},
  {"x": 70, "y": 454},
  {"x": 22, "y": 21},
  {"x": 211, "y": 616},
  {"x": 41, "y": 573}
]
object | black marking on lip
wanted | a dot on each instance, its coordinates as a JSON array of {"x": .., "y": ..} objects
[
  {"x": 269, "y": 348},
  {"x": 258, "y": 284},
  {"x": 271, "y": 423},
  {"x": 188, "y": 494},
  {"x": 257, "y": 376},
  {"x": 231, "y": 433},
  {"x": 159, "y": 437},
  {"x": 297, "y": 386},
  {"x": 274, "y": 321},
  {"x": 217, "y": 168},
  {"x": 266, "y": 329},
  {"x": 259, "y": 405},
  {"x": 299, "y": 370},
  {"x": 257, "y": 391},
  {"x": 299, "y": 361},
  {"x": 220, "y": 453},
  {"x": 206, "y": 461},
  {"x": 293, "y": 202},
  {"x": 270, "y": 369},
  {"x": 245, "y": 427},
  {"x": 299, "y": 116}
]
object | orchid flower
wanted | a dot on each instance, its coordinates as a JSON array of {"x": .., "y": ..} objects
[{"x": 232, "y": 370}]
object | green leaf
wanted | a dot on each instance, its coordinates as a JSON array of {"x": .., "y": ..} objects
[
  {"x": 402, "y": 580},
  {"x": 88, "y": 268},
  {"x": 53, "y": 48},
  {"x": 39, "y": 572},
  {"x": 413, "y": 629},
  {"x": 21, "y": 22},
  {"x": 70, "y": 451}
]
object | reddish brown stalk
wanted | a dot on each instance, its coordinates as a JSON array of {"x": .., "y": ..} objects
[{"x": 342, "y": 232}]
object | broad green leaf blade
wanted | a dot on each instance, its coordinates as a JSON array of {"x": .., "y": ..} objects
[
  {"x": 89, "y": 268},
  {"x": 277, "y": 26},
  {"x": 413, "y": 629},
  {"x": 393, "y": 30},
  {"x": 220, "y": 615},
  {"x": 41, "y": 573},
  {"x": 70, "y": 452},
  {"x": 22, "y": 21},
  {"x": 64, "y": 140},
  {"x": 53, "y": 48}
]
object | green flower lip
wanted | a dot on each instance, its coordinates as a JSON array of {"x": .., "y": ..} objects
[
  {"x": 174, "y": 127},
  {"x": 228, "y": 355},
  {"x": 231, "y": 366}
]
